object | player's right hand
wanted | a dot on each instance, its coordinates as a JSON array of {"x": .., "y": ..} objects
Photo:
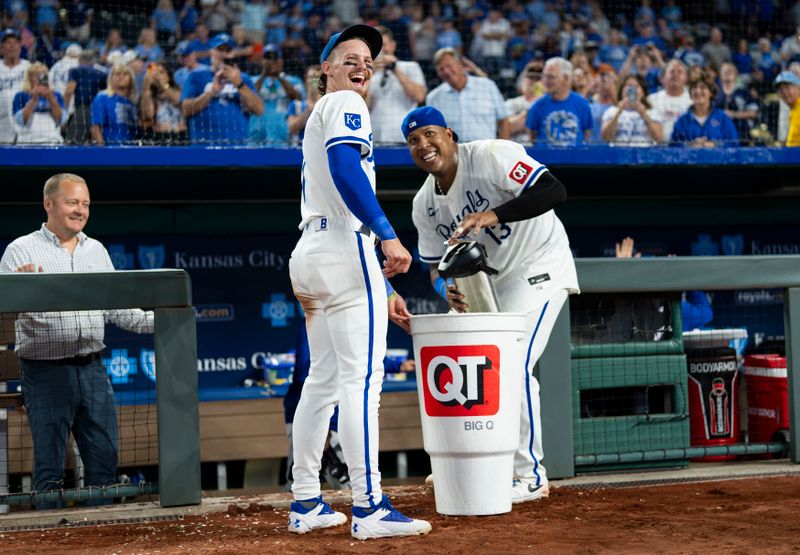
[{"x": 398, "y": 259}]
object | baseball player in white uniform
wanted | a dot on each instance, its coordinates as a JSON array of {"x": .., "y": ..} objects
[
  {"x": 338, "y": 280},
  {"x": 12, "y": 75},
  {"x": 493, "y": 192}
]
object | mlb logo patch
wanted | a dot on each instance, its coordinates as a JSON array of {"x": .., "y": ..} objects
[
  {"x": 521, "y": 172},
  {"x": 352, "y": 121}
]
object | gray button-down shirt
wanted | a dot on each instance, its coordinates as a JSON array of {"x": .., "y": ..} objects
[{"x": 57, "y": 335}]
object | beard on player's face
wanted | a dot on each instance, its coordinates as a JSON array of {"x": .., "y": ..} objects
[{"x": 349, "y": 68}]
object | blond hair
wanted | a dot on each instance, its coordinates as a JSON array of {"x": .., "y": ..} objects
[
  {"x": 53, "y": 185},
  {"x": 110, "y": 91},
  {"x": 36, "y": 68}
]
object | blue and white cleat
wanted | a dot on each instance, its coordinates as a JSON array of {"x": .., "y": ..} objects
[
  {"x": 302, "y": 520},
  {"x": 385, "y": 522}
]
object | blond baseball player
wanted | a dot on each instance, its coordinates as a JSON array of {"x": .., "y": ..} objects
[
  {"x": 493, "y": 192},
  {"x": 338, "y": 280}
]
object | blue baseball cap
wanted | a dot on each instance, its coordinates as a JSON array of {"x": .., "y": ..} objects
[
  {"x": 421, "y": 117},
  {"x": 223, "y": 39},
  {"x": 184, "y": 48},
  {"x": 371, "y": 35},
  {"x": 787, "y": 77},
  {"x": 273, "y": 49},
  {"x": 9, "y": 33}
]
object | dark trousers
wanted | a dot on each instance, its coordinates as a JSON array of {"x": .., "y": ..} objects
[
  {"x": 62, "y": 398},
  {"x": 79, "y": 126}
]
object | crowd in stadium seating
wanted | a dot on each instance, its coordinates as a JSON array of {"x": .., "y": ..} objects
[{"x": 555, "y": 72}]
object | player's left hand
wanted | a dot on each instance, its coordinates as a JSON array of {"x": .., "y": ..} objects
[
  {"x": 455, "y": 298},
  {"x": 471, "y": 224},
  {"x": 398, "y": 312}
]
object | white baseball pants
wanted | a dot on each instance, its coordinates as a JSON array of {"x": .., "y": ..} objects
[
  {"x": 337, "y": 279},
  {"x": 543, "y": 303}
]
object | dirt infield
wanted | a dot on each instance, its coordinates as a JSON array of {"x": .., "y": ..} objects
[{"x": 736, "y": 516}]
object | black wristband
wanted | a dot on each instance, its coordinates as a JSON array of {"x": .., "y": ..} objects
[{"x": 240, "y": 85}]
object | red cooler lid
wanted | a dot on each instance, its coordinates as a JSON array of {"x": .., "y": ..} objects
[{"x": 765, "y": 361}]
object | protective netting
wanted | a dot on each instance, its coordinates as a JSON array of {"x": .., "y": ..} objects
[
  {"x": 127, "y": 72},
  {"x": 669, "y": 372}
]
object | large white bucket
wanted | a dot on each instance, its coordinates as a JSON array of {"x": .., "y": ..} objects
[{"x": 469, "y": 380}]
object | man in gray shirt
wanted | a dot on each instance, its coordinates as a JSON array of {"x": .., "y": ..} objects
[{"x": 64, "y": 383}]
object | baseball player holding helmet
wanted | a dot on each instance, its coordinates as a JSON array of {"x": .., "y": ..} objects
[
  {"x": 493, "y": 192},
  {"x": 338, "y": 280}
]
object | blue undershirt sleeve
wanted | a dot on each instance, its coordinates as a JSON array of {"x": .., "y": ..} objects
[{"x": 344, "y": 161}]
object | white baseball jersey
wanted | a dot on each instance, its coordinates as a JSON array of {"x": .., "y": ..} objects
[
  {"x": 59, "y": 76},
  {"x": 490, "y": 173},
  {"x": 11, "y": 79},
  {"x": 338, "y": 117}
]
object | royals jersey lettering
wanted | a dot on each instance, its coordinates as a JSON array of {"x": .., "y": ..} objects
[
  {"x": 11, "y": 79},
  {"x": 491, "y": 173},
  {"x": 338, "y": 117}
]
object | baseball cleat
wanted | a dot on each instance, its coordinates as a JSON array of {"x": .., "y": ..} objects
[
  {"x": 525, "y": 489},
  {"x": 385, "y": 522},
  {"x": 302, "y": 520}
]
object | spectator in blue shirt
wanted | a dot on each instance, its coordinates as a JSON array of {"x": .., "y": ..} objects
[
  {"x": 148, "y": 49},
  {"x": 615, "y": 51},
  {"x": 648, "y": 36},
  {"x": 79, "y": 20},
  {"x": 217, "y": 102},
  {"x": 38, "y": 110},
  {"x": 165, "y": 22},
  {"x": 738, "y": 103},
  {"x": 672, "y": 13},
  {"x": 114, "y": 114},
  {"x": 113, "y": 44},
  {"x": 46, "y": 14},
  {"x": 277, "y": 90},
  {"x": 702, "y": 125},
  {"x": 188, "y": 18},
  {"x": 688, "y": 54},
  {"x": 201, "y": 44},
  {"x": 276, "y": 25},
  {"x": 561, "y": 117},
  {"x": 449, "y": 37},
  {"x": 742, "y": 58},
  {"x": 646, "y": 62},
  {"x": 83, "y": 84},
  {"x": 767, "y": 59},
  {"x": 188, "y": 61}
]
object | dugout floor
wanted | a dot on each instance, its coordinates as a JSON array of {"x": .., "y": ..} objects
[{"x": 221, "y": 501}]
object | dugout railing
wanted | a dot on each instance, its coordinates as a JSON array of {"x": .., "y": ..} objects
[
  {"x": 168, "y": 294},
  {"x": 663, "y": 275}
]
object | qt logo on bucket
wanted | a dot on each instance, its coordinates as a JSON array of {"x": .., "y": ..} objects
[{"x": 461, "y": 380}]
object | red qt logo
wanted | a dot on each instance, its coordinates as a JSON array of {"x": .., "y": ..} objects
[
  {"x": 520, "y": 172},
  {"x": 461, "y": 380}
]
